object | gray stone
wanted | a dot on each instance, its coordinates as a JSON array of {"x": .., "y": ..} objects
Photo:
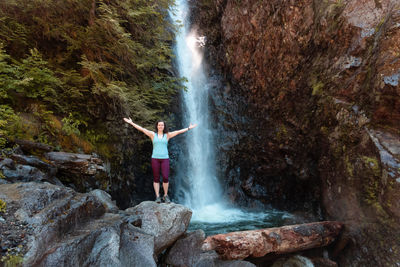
[
  {"x": 4, "y": 181},
  {"x": 105, "y": 199},
  {"x": 105, "y": 242},
  {"x": 7, "y": 163},
  {"x": 24, "y": 173},
  {"x": 239, "y": 263},
  {"x": 73, "y": 229},
  {"x": 167, "y": 222},
  {"x": 294, "y": 261},
  {"x": 35, "y": 162},
  {"x": 187, "y": 252},
  {"x": 76, "y": 163}
]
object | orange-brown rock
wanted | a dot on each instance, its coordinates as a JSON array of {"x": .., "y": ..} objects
[
  {"x": 279, "y": 240},
  {"x": 314, "y": 88}
]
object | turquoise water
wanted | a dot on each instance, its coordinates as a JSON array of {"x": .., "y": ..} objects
[{"x": 214, "y": 220}]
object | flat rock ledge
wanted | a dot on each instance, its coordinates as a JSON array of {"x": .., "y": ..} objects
[{"x": 279, "y": 240}]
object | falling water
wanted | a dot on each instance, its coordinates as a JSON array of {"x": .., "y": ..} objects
[
  {"x": 199, "y": 186},
  {"x": 203, "y": 189}
]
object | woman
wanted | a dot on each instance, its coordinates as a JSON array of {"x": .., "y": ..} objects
[{"x": 160, "y": 157}]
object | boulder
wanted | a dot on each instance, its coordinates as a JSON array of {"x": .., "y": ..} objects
[
  {"x": 105, "y": 242},
  {"x": 23, "y": 173},
  {"x": 7, "y": 163},
  {"x": 323, "y": 262},
  {"x": 187, "y": 252},
  {"x": 166, "y": 222},
  {"x": 294, "y": 261},
  {"x": 82, "y": 172},
  {"x": 76, "y": 163},
  {"x": 34, "y": 162},
  {"x": 21, "y": 168},
  {"x": 67, "y": 228},
  {"x": 279, "y": 240},
  {"x": 105, "y": 199}
]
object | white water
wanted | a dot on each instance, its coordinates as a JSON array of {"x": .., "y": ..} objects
[
  {"x": 203, "y": 193},
  {"x": 204, "y": 189}
]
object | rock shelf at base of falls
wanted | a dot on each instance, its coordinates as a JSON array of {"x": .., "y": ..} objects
[{"x": 51, "y": 225}]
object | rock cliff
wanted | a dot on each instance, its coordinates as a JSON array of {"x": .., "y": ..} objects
[{"x": 307, "y": 100}]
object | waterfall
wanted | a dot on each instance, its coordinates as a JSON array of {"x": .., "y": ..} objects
[
  {"x": 197, "y": 185},
  {"x": 203, "y": 187}
]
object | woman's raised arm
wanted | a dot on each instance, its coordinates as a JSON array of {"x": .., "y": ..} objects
[
  {"x": 175, "y": 133},
  {"x": 140, "y": 128}
]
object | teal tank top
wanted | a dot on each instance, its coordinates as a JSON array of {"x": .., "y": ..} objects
[{"x": 160, "y": 147}]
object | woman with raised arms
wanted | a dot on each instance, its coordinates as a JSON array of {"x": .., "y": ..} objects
[{"x": 160, "y": 157}]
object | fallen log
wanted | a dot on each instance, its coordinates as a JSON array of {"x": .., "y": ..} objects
[{"x": 279, "y": 240}]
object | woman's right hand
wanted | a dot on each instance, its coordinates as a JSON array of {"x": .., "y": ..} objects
[{"x": 128, "y": 120}]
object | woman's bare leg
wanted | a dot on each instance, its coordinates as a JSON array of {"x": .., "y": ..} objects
[
  {"x": 157, "y": 188},
  {"x": 165, "y": 187}
]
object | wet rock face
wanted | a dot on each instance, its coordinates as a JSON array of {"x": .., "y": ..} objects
[{"x": 319, "y": 124}]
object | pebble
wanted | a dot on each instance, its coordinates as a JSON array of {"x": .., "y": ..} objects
[{"x": 2, "y": 219}]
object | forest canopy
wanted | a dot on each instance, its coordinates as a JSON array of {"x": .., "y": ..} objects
[{"x": 66, "y": 66}]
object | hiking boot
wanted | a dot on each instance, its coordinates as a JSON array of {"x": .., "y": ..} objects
[
  {"x": 158, "y": 200},
  {"x": 166, "y": 199}
]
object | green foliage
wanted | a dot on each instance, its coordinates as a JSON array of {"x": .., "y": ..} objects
[
  {"x": 71, "y": 125},
  {"x": 70, "y": 64},
  {"x": 7, "y": 71},
  {"x": 36, "y": 80},
  {"x": 94, "y": 138},
  {"x": 8, "y": 121}
]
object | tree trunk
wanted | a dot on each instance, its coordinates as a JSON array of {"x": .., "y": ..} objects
[{"x": 280, "y": 240}]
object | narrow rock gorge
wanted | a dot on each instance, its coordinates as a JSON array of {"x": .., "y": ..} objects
[{"x": 307, "y": 102}]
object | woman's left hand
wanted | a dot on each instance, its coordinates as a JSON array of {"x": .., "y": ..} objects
[{"x": 191, "y": 126}]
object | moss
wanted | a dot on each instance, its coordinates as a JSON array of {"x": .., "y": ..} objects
[
  {"x": 324, "y": 130},
  {"x": 317, "y": 87},
  {"x": 371, "y": 190},
  {"x": 3, "y": 206},
  {"x": 373, "y": 163},
  {"x": 349, "y": 166},
  {"x": 2, "y": 175},
  {"x": 282, "y": 133},
  {"x": 12, "y": 260}
]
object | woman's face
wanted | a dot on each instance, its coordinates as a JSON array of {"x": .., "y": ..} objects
[{"x": 160, "y": 126}]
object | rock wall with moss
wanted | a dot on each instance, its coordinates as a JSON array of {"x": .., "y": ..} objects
[
  {"x": 308, "y": 106},
  {"x": 71, "y": 70}
]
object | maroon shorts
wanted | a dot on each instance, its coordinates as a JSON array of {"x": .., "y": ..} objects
[{"x": 157, "y": 165}]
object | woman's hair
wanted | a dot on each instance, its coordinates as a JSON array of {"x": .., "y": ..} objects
[{"x": 165, "y": 127}]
